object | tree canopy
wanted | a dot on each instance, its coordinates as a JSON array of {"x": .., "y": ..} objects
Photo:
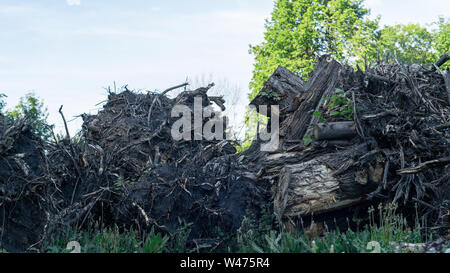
[
  {"x": 32, "y": 107},
  {"x": 300, "y": 30},
  {"x": 411, "y": 43}
]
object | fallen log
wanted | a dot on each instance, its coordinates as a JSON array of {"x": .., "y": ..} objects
[
  {"x": 325, "y": 183},
  {"x": 334, "y": 130}
]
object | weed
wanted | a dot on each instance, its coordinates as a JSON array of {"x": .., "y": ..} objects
[{"x": 386, "y": 229}]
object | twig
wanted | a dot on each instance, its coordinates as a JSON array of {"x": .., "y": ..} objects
[
  {"x": 381, "y": 78},
  {"x": 414, "y": 88},
  {"x": 160, "y": 95},
  {"x": 65, "y": 123},
  {"x": 173, "y": 88},
  {"x": 442, "y": 126},
  {"x": 380, "y": 115},
  {"x": 140, "y": 141},
  {"x": 425, "y": 165},
  {"x": 359, "y": 128}
]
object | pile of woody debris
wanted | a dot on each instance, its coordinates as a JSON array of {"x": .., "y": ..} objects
[
  {"x": 350, "y": 137},
  {"x": 347, "y": 139}
]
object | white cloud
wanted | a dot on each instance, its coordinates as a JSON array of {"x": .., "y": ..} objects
[{"x": 73, "y": 2}]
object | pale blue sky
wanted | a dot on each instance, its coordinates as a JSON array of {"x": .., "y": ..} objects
[{"x": 68, "y": 50}]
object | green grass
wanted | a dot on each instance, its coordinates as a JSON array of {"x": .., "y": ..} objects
[
  {"x": 383, "y": 234},
  {"x": 113, "y": 240},
  {"x": 109, "y": 240},
  {"x": 385, "y": 230},
  {"x": 331, "y": 242}
]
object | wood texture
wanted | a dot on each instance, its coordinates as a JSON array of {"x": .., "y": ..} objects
[
  {"x": 282, "y": 88},
  {"x": 322, "y": 82},
  {"x": 334, "y": 130}
]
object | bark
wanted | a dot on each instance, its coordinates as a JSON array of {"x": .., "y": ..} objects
[
  {"x": 447, "y": 84},
  {"x": 322, "y": 82},
  {"x": 325, "y": 183},
  {"x": 334, "y": 130},
  {"x": 283, "y": 89}
]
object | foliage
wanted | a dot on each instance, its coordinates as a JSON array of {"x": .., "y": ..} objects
[
  {"x": 338, "y": 105},
  {"x": 441, "y": 38},
  {"x": 299, "y": 30},
  {"x": 32, "y": 107},
  {"x": 411, "y": 43},
  {"x": 179, "y": 239},
  {"x": 116, "y": 240},
  {"x": 408, "y": 43},
  {"x": 385, "y": 226},
  {"x": 253, "y": 229},
  {"x": 108, "y": 240},
  {"x": 271, "y": 95},
  {"x": 388, "y": 230}
]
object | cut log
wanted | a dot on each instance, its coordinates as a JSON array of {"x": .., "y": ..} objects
[
  {"x": 334, "y": 130},
  {"x": 322, "y": 83},
  {"x": 282, "y": 88},
  {"x": 325, "y": 183}
]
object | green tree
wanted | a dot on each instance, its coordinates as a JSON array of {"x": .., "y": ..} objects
[
  {"x": 407, "y": 43},
  {"x": 441, "y": 38},
  {"x": 299, "y": 30},
  {"x": 32, "y": 107}
]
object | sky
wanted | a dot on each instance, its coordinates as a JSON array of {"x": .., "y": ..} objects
[{"x": 69, "y": 51}]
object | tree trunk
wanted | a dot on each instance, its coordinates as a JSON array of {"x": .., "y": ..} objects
[
  {"x": 322, "y": 83},
  {"x": 324, "y": 183}
]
